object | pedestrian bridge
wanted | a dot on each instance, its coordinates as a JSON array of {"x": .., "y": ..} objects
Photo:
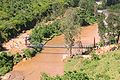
[{"x": 60, "y": 46}]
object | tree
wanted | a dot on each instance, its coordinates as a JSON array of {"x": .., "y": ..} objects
[
  {"x": 110, "y": 33},
  {"x": 101, "y": 28},
  {"x": 86, "y": 12},
  {"x": 69, "y": 28},
  {"x": 23, "y": 14},
  {"x": 113, "y": 21},
  {"x": 112, "y": 2},
  {"x": 73, "y": 3}
]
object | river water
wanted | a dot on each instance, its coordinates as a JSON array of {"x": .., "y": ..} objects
[{"x": 50, "y": 60}]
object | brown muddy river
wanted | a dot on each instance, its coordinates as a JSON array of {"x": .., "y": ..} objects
[{"x": 50, "y": 60}]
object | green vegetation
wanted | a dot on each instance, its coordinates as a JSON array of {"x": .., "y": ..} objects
[
  {"x": 19, "y": 15},
  {"x": 87, "y": 12},
  {"x": 68, "y": 76},
  {"x": 29, "y": 53},
  {"x": 17, "y": 58},
  {"x": 112, "y": 2},
  {"x": 104, "y": 67},
  {"x": 110, "y": 32},
  {"x": 69, "y": 27},
  {"x": 44, "y": 32},
  {"x": 114, "y": 28},
  {"x": 6, "y": 63}
]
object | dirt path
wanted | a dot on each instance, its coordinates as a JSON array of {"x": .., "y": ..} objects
[{"x": 50, "y": 60}]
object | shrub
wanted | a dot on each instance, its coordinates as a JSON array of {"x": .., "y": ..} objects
[
  {"x": 46, "y": 32},
  {"x": 36, "y": 37},
  {"x": 102, "y": 77},
  {"x": 95, "y": 57},
  {"x": 4, "y": 70},
  {"x": 28, "y": 53},
  {"x": 68, "y": 76},
  {"x": 41, "y": 32},
  {"x": 75, "y": 75},
  {"x": 6, "y": 63},
  {"x": 17, "y": 58}
]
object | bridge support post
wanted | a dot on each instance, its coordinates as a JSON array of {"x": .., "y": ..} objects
[{"x": 94, "y": 45}]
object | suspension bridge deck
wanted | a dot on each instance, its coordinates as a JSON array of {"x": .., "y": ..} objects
[{"x": 59, "y": 46}]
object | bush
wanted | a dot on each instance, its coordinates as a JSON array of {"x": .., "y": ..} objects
[
  {"x": 95, "y": 57},
  {"x": 17, "y": 58},
  {"x": 68, "y": 76},
  {"x": 102, "y": 77},
  {"x": 44, "y": 32},
  {"x": 75, "y": 75},
  {"x": 36, "y": 37},
  {"x": 6, "y": 63},
  {"x": 29, "y": 53},
  {"x": 4, "y": 70}
]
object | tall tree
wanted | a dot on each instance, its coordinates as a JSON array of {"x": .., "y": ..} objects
[{"x": 69, "y": 28}]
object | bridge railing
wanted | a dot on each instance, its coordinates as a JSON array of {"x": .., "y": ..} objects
[{"x": 59, "y": 46}]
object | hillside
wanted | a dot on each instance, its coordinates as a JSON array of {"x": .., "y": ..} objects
[
  {"x": 105, "y": 67},
  {"x": 19, "y": 15}
]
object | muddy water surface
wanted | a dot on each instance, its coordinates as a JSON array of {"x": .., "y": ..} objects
[{"x": 50, "y": 60}]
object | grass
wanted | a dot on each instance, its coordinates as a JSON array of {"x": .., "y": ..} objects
[{"x": 105, "y": 68}]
